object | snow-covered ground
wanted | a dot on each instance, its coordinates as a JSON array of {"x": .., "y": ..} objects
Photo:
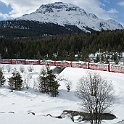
[{"x": 19, "y": 106}]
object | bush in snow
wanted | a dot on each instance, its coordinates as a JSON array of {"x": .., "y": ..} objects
[
  {"x": 8, "y": 67},
  {"x": 2, "y": 79},
  {"x": 68, "y": 85},
  {"x": 67, "y": 82},
  {"x": 15, "y": 82},
  {"x": 30, "y": 68},
  {"x": 2, "y": 68},
  {"x": 22, "y": 69}
]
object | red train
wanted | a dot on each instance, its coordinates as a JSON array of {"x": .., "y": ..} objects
[{"x": 74, "y": 64}]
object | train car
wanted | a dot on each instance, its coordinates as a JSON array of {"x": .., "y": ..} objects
[
  {"x": 21, "y": 61},
  {"x": 6, "y": 61},
  {"x": 42, "y": 62},
  {"x": 64, "y": 63},
  {"x": 117, "y": 68},
  {"x": 32, "y": 62},
  {"x": 59, "y": 63},
  {"x": 79, "y": 64},
  {"x": 74, "y": 64},
  {"x": 98, "y": 66},
  {"x": 13, "y": 61},
  {"x": 50, "y": 62}
]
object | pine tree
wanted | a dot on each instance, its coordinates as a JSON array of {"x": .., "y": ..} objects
[
  {"x": 15, "y": 82},
  {"x": 11, "y": 83},
  {"x": 43, "y": 84},
  {"x": 97, "y": 58},
  {"x": 2, "y": 79},
  {"x": 52, "y": 83},
  {"x": 48, "y": 83}
]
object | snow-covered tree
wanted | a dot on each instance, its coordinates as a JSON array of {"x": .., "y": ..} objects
[
  {"x": 8, "y": 67},
  {"x": 2, "y": 78},
  {"x": 15, "y": 82},
  {"x": 52, "y": 83},
  {"x": 48, "y": 83},
  {"x": 22, "y": 69},
  {"x": 43, "y": 84},
  {"x": 30, "y": 69}
]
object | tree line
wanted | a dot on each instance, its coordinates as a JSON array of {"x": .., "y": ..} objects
[{"x": 62, "y": 47}]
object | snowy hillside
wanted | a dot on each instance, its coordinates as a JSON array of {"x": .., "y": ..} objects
[
  {"x": 31, "y": 107},
  {"x": 68, "y": 14}
]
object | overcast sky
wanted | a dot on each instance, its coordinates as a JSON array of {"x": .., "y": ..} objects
[{"x": 105, "y": 9}]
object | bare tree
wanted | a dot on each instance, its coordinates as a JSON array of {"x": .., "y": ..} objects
[{"x": 96, "y": 94}]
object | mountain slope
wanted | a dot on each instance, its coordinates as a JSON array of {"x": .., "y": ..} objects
[
  {"x": 26, "y": 28},
  {"x": 68, "y": 14}
]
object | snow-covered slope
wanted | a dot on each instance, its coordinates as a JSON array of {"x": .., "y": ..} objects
[
  {"x": 18, "y": 106},
  {"x": 68, "y": 14}
]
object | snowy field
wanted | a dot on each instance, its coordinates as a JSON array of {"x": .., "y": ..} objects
[{"x": 17, "y": 107}]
